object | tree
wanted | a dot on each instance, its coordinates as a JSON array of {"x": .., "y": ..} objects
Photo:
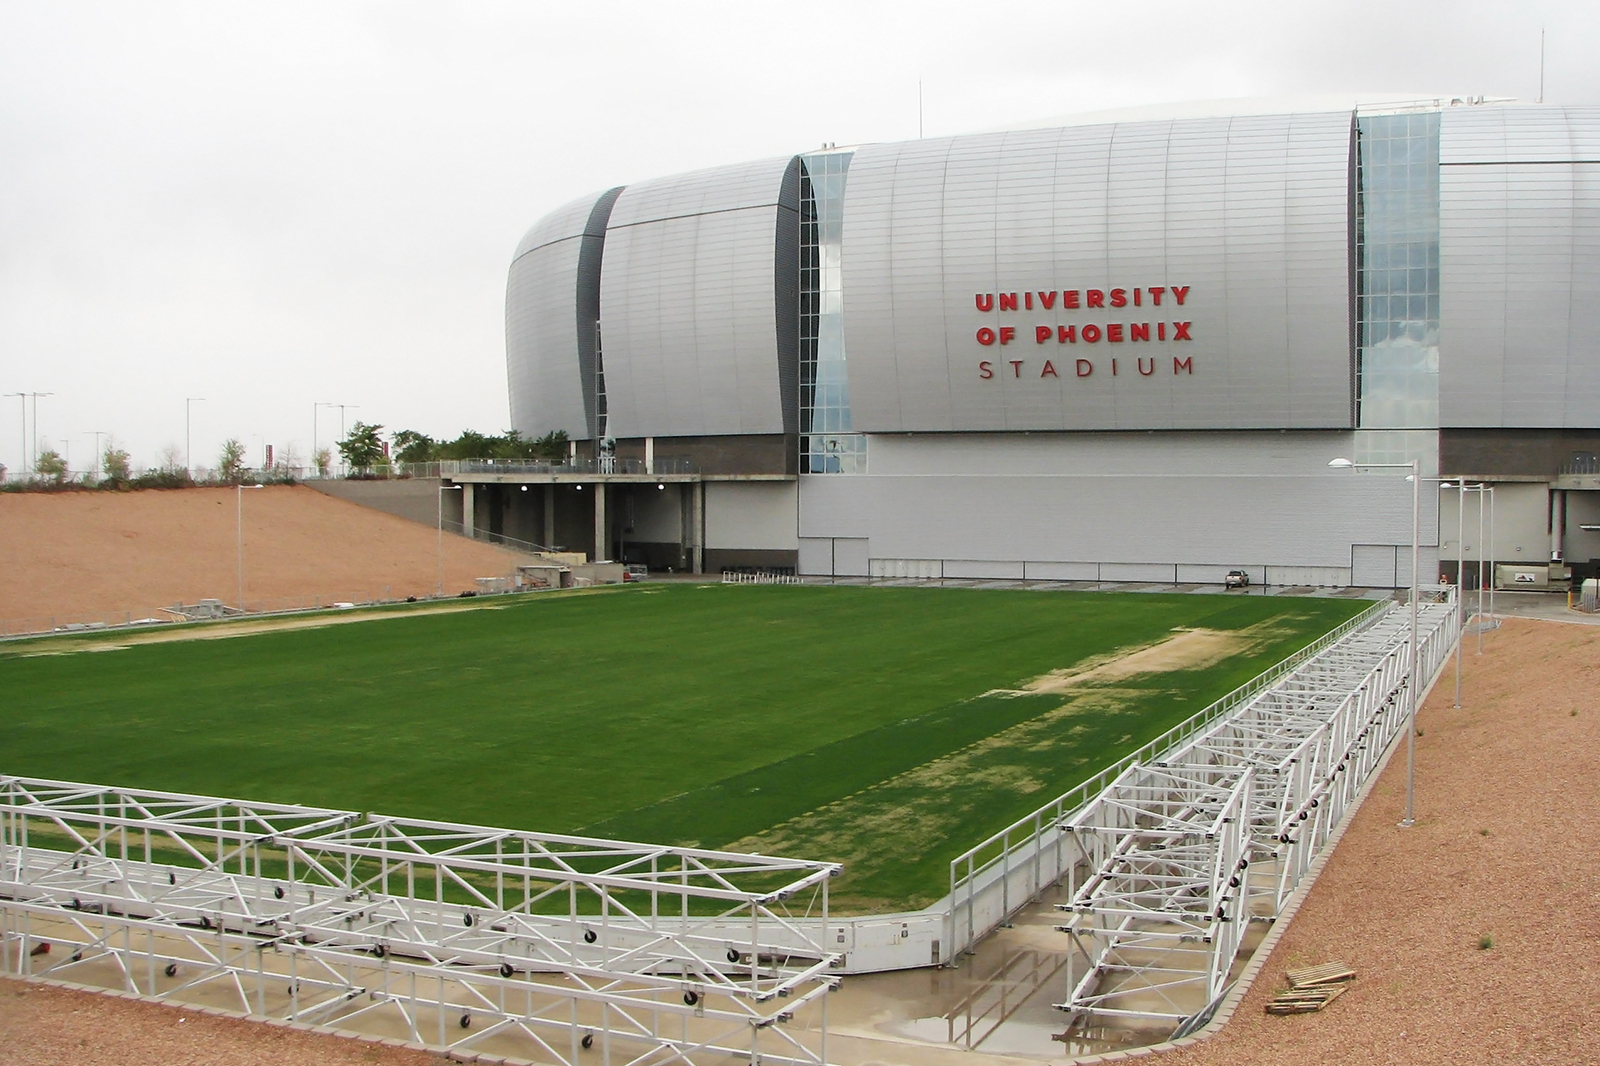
[
  {"x": 322, "y": 460},
  {"x": 287, "y": 468},
  {"x": 552, "y": 447},
  {"x": 51, "y": 465},
  {"x": 230, "y": 463},
  {"x": 171, "y": 460},
  {"x": 363, "y": 448},
  {"x": 413, "y": 447},
  {"x": 115, "y": 463}
]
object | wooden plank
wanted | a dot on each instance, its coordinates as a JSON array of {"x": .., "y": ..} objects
[
  {"x": 1305, "y": 1001},
  {"x": 1328, "y": 973}
]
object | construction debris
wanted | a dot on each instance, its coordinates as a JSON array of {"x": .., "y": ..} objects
[
  {"x": 1328, "y": 973},
  {"x": 1312, "y": 988}
]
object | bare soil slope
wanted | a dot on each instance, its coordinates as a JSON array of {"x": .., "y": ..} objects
[{"x": 80, "y": 556}]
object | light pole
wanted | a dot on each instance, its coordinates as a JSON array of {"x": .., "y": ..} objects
[
  {"x": 99, "y": 456},
  {"x": 1415, "y": 466},
  {"x": 36, "y": 396},
  {"x": 239, "y": 533},
  {"x": 443, "y": 488},
  {"x": 188, "y": 405},
  {"x": 341, "y": 407},
  {"x": 1461, "y": 566}
]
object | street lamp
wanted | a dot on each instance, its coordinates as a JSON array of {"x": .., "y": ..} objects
[
  {"x": 99, "y": 456},
  {"x": 1415, "y": 466},
  {"x": 238, "y": 527},
  {"x": 443, "y": 488}
]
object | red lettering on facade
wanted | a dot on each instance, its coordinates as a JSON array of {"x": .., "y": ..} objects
[
  {"x": 986, "y": 336},
  {"x": 1136, "y": 300},
  {"x": 1016, "y": 368},
  {"x": 1184, "y": 365},
  {"x": 1049, "y": 370},
  {"x": 985, "y": 301},
  {"x": 1142, "y": 362},
  {"x": 1091, "y": 333},
  {"x": 1179, "y": 292},
  {"x": 1008, "y": 334},
  {"x": 1119, "y": 297},
  {"x": 1113, "y": 368},
  {"x": 1138, "y": 331},
  {"x": 1027, "y": 299},
  {"x": 1094, "y": 298},
  {"x": 1114, "y": 332},
  {"x": 1161, "y": 331},
  {"x": 1155, "y": 294},
  {"x": 1042, "y": 334},
  {"x": 1180, "y": 331},
  {"x": 1008, "y": 301},
  {"x": 1047, "y": 300},
  {"x": 1069, "y": 299},
  {"x": 985, "y": 370},
  {"x": 1066, "y": 334},
  {"x": 1085, "y": 368}
]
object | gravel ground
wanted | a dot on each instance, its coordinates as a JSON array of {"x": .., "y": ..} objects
[
  {"x": 40, "y": 1024},
  {"x": 1504, "y": 848}
]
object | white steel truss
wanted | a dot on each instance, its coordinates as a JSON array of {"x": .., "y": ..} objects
[
  {"x": 458, "y": 937},
  {"x": 1162, "y": 880}
]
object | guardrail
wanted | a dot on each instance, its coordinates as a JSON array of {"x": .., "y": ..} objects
[
  {"x": 488, "y": 537},
  {"x": 991, "y": 860}
]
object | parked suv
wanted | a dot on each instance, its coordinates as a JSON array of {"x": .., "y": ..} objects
[{"x": 1236, "y": 579}]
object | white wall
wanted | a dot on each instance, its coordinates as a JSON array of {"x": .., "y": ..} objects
[
  {"x": 1117, "y": 507},
  {"x": 752, "y": 515}
]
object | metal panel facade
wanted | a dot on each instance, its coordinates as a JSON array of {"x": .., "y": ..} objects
[
  {"x": 687, "y": 308},
  {"x": 1249, "y": 217},
  {"x": 1519, "y": 254},
  {"x": 543, "y": 379}
]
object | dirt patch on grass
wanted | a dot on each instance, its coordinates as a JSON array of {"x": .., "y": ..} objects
[
  {"x": 891, "y": 822},
  {"x": 250, "y": 627},
  {"x": 1185, "y": 649}
]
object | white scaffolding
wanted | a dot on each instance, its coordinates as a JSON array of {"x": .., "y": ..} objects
[
  {"x": 1174, "y": 857},
  {"x": 452, "y": 936}
]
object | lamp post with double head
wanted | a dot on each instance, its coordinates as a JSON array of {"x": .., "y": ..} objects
[{"x": 1415, "y": 477}]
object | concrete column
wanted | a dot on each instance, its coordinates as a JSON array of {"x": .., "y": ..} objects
[
  {"x": 602, "y": 531},
  {"x": 649, "y": 455},
  {"x": 697, "y": 520},
  {"x": 549, "y": 516},
  {"x": 1558, "y": 524},
  {"x": 469, "y": 509}
]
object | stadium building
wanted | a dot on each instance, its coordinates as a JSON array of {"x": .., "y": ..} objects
[{"x": 1103, "y": 349}]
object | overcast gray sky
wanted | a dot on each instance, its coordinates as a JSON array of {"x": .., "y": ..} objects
[{"x": 273, "y": 205}]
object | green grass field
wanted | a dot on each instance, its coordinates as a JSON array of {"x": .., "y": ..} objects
[{"x": 852, "y": 724}]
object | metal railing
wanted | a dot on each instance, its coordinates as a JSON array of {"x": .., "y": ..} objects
[
  {"x": 485, "y": 536},
  {"x": 991, "y": 860},
  {"x": 1581, "y": 465}
]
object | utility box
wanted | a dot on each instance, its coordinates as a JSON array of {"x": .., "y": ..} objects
[
  {"x": 1532, "y": 578},
  {"x": 1521, "y": 577}
]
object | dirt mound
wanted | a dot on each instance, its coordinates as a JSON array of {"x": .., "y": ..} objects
[{"x": 99, "y": 556}]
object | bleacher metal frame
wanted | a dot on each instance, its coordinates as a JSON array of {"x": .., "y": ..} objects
[
  {"x": 1173, "y": 858},
  {"x": 463, "y": 938}
]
